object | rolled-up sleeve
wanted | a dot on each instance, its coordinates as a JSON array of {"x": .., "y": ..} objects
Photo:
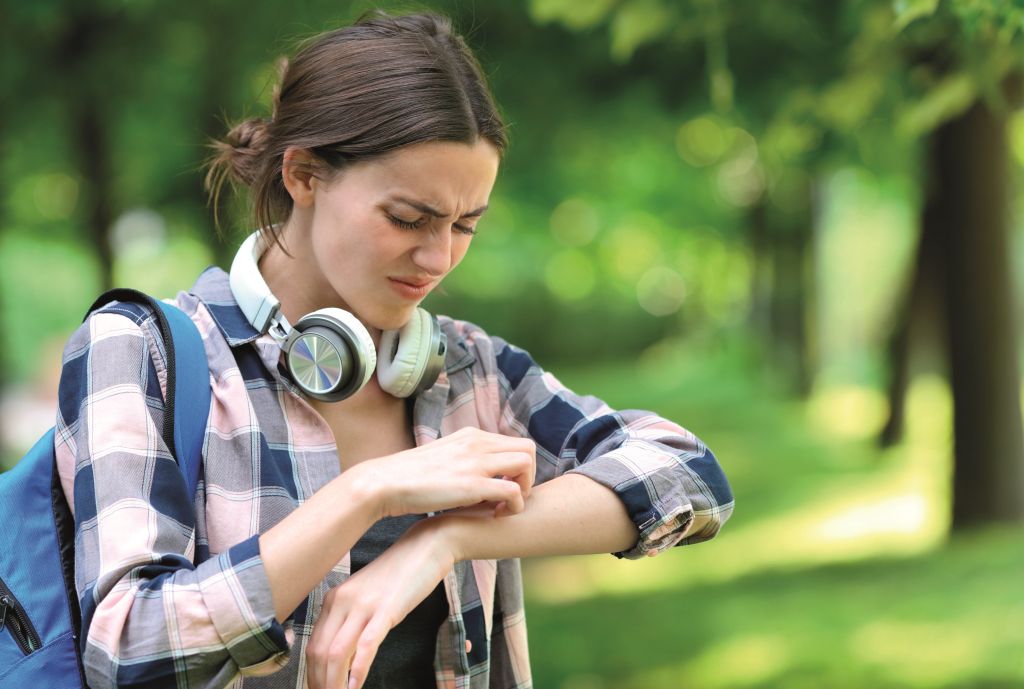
[
  {"x": 150, "y": 615},
  {"x": 670, "y": 483}
]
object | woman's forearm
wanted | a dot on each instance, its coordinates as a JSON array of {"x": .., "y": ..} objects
[
  {"x": 568, "y": 515},
  {"x": 302, "y": 548},
  {"x": 454, "y": 471}
]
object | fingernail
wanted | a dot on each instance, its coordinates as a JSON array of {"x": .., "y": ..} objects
[{"x": 352, "y": 682}]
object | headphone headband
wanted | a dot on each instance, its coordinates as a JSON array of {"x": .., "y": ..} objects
[{"x": 251, "y": 292}]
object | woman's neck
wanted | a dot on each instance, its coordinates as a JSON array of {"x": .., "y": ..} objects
[{"x": 296, "y": 280}]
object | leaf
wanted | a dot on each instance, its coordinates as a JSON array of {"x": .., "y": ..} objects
[
  {"x": 947, "y": 99},
  {"x": 909, "y": 10},
  {"x": 574, "y": 14},
  {"x": 845, "y": 104},
  {"x": 636, "y": 23}
]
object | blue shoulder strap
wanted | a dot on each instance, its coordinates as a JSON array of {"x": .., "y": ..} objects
[
  {"x": 188, "y": 381},
  {"x": 191, "y": 393}
]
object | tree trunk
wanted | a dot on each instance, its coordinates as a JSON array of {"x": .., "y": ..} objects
[
  {"x": 218, "y": 22},
  {"x": 90, "y": 141},
  {"x": 4, "y": 351},
  {"x": 84, "y": 35},
  {"x": 760, "y": 279},
  {"x": 971, "y": 223},
  {"x": 916, "y": 313},
  {"x": 791, "y": 237}
]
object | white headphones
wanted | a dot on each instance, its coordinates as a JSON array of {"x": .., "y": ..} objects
[{"x": 329, "y": 353}]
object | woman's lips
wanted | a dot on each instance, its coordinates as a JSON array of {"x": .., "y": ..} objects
[{"x": 411, "y": 290}]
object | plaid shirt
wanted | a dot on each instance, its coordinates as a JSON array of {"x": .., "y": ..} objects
[{"x": 174, "y": 592}]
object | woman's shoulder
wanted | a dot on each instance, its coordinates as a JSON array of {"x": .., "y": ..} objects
[
  {"x": 121, "y": 335},
  {"x": 488, "y": 353},
  {"x": 117, "y": 328},
  {"x": 468, "y": 336}
]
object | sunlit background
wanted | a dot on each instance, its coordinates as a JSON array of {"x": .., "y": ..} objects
[{"x": 778, "y": 223}]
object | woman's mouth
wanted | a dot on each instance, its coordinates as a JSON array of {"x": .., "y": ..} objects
[{"x": 411, "y": 289}]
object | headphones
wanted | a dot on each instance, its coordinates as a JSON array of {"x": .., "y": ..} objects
[{"x": 329, "y": 353}]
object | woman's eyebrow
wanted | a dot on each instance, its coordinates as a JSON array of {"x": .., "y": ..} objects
[{"x": 430, "y": 210}]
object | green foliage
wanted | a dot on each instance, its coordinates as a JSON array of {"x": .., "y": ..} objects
[
  {"x": 909, "y": 10},
  {"x": 575, "y": 14},
  {"x": 676, "y": 121},
  {"x": 828, "y": 573}
]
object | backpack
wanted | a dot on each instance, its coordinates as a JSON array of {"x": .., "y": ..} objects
[{"x": 40, "y": 621}]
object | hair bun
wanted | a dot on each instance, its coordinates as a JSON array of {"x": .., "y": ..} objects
[
  {"x": 249, "y": 134},
  {"x": 248, "y": 140}
]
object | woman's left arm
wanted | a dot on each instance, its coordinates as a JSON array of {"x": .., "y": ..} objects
[
  {"x": 559, "y": 518},
  {"x": 667, "y": 481},
  {"x": 569, "y": 515},
  {"x": 626, "y": 482}
]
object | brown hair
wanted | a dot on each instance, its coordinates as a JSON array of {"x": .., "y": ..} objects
[{"x": 355, "y": 93}]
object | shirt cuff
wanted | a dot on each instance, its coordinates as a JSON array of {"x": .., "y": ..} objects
[
  {"x": 242, "y": 609},
  {"x": 654, "y": 496}
]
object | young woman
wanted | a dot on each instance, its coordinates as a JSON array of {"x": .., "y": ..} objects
[{"x": 370, "y": 472}]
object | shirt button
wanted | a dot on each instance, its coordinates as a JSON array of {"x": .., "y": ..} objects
[{"x": 469, "y": 645}]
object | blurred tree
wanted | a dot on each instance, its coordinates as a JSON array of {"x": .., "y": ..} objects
[
  {"x": 77, "y": 53},
  {"x": 969, "y": 57},
  {"x": 971, "y": 228},
  {"x": 918, "y": 307},
  {"x": 954, "y": 98},
  {"x": 781, "y": 103}
]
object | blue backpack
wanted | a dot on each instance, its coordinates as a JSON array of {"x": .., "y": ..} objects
[{"x": 39, "y": 614}]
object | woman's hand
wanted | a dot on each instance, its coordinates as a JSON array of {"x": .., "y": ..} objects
[
  {"x": 466, "y": 468},
  {"x": 359, "y": 613}
]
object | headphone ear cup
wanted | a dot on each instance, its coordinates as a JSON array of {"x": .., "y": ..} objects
[
  {"x": 403, "y": 355},
  {"x": 411, "y": 357},
  {"x": 333, "y": 355}
]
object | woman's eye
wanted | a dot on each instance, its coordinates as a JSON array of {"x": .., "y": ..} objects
[
  {"x": 416, "y": 224},
  {"x": 405, "y": 224}
]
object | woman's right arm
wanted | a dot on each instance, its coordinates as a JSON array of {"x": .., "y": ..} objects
[
  {"x": 149, "y": 615},
  {"x": 147, "y": 611},
  {"x": 454, "y": 471}
]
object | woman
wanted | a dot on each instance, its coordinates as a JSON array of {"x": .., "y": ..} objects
[{"x": 365, "y": 534}]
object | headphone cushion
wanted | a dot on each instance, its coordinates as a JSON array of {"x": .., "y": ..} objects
[{"x": 404, "y": 354}]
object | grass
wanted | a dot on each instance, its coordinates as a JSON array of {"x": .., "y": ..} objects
[
  {"x": 836, "y": 570},
  {"x": 951, "y": 618}
]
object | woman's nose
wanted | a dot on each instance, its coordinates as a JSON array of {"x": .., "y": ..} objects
[{"x": 434, "y": 254}]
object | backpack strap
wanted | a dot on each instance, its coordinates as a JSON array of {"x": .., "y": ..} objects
[{"x": 188, "y": 380}]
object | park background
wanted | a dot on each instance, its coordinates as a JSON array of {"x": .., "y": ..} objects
[{"x": 792, "y": 226}]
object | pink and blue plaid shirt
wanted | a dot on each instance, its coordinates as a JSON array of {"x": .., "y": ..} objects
[{"x": 173, "y": 591}]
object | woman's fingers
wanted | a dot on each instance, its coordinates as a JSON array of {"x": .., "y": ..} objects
[
  {"x": 508, "y": 492},
  {"x": 514, "y": 466},
  {"x": 331, "y": 617},
  {"x": 453, "y": 471},
  {"x": 366, "y": 650},
  {"x": 340, "y": 652},
  {"x": 480, "y": 509}
]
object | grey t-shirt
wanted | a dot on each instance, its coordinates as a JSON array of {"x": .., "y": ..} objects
[{"x": 405, "y": 659}]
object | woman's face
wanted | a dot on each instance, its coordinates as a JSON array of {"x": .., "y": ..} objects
[{"x": 387, "y": 231}]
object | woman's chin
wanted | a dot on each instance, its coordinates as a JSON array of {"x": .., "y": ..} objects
[{"x": 391, "y": 319}]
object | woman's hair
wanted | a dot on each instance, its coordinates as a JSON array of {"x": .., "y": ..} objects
[{"x": 353, "y": 94}]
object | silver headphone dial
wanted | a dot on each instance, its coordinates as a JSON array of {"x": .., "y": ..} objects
[{"x": 315, "y": 363}]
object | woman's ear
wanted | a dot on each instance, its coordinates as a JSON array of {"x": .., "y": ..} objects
[{"x": 297, "y": 174}]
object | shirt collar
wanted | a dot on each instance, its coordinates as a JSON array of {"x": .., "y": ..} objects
[{"x": 214, "y": 290}]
